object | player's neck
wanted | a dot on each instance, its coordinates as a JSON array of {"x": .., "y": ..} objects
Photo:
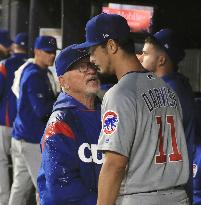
[
  {"x": 40, "y": 64},
  {"x": 127, "y": 64},
  {"x": 163, "y": 71}
]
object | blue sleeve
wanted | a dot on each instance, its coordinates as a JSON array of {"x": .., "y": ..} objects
[
  {"x": 37, "y": 93},
  {"x": 2, "y": 83},
  {"x": 61, "y": 166}
]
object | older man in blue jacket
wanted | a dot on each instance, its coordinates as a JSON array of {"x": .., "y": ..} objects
[
  {"x": 70, "y": 160},
  {"x": 34, "y": 105}
]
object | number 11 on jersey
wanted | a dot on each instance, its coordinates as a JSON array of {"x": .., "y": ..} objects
[{"x": 175, "y": 155}]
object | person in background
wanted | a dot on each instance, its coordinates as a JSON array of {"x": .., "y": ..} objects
[
  {"x": 5, "y": 44},
  {"x": 70, "y": 161},
  {"x": 34, "y": 105},
  {"x": 142, "y": 136},
  {"x": 8, "y": 109},
  {"x": 161, "y": 54}
]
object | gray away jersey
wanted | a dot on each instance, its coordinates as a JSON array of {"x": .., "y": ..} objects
[{"x": 142, "y": 120}]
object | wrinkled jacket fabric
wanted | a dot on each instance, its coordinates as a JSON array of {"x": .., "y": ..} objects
[
  {"x": 34, "y": 104},
  {"x": 7, "y": 98},
  {"x": 70, "y": 161}
]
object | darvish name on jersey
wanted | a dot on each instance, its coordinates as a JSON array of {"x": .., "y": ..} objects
[{"x": 159, "y": 97}]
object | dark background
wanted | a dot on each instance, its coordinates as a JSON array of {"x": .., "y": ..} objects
[
  {"x": 71, "y": 15},
  {"x": 182, "y": 16}
]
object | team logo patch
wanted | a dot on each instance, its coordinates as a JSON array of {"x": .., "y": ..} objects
[
  {"x": 195, "y": 169},
  {"x": 110, "y": 122},
  {"x": 151, "y": 77}
]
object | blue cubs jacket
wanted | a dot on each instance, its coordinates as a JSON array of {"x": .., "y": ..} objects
[
  {"x": 34, "y": 104},
  {"x": 70, "y": 161},
  {"x": 181, "y": 86},
  {"x": 7, "y": 98}
]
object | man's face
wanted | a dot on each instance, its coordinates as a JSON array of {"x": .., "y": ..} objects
[
  {"x": 100, "y": 57},
  {"x": 149, "y": 58},
  {"x": 46, "y": 57},
  {"x": 81, "y": 79}
]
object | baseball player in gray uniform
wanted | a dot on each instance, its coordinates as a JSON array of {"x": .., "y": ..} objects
[{"x": 146, "y": 160}]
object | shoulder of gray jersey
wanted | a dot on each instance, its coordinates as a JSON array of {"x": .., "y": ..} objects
[{"x": 144, "y": 86}]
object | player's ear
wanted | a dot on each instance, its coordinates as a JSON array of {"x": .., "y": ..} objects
[
  {"x": 161, "y": 60},
  {"x": 112, "y": 46}
]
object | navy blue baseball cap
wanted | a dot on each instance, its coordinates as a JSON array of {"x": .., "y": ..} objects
[
  {"x": 21, "y": 39},
  {"x": 5, "y": 38},
  {"x": 170, "y": 42},
  {"x": 103, "y": 27},
  {"x": 67, "y": 57},
  {"x": 46, "y": 43}
]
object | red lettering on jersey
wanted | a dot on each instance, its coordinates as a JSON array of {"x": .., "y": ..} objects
[
  {"x": 161, "y": 158},
  {"x": 175, "y": 155}
]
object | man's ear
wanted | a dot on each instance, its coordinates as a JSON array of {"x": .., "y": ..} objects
[
  {"x": 63, "y": 83},
  {"x": 161, "y": 60},
  {"x": 112, "y": 46}
]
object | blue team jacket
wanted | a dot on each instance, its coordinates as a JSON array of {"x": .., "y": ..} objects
[
  {"x": 34, "y": 105},
  {"x": 181, "y": 86},
  {"x": 70, "y": 161},
  {"x": 7, "y": 98}
]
